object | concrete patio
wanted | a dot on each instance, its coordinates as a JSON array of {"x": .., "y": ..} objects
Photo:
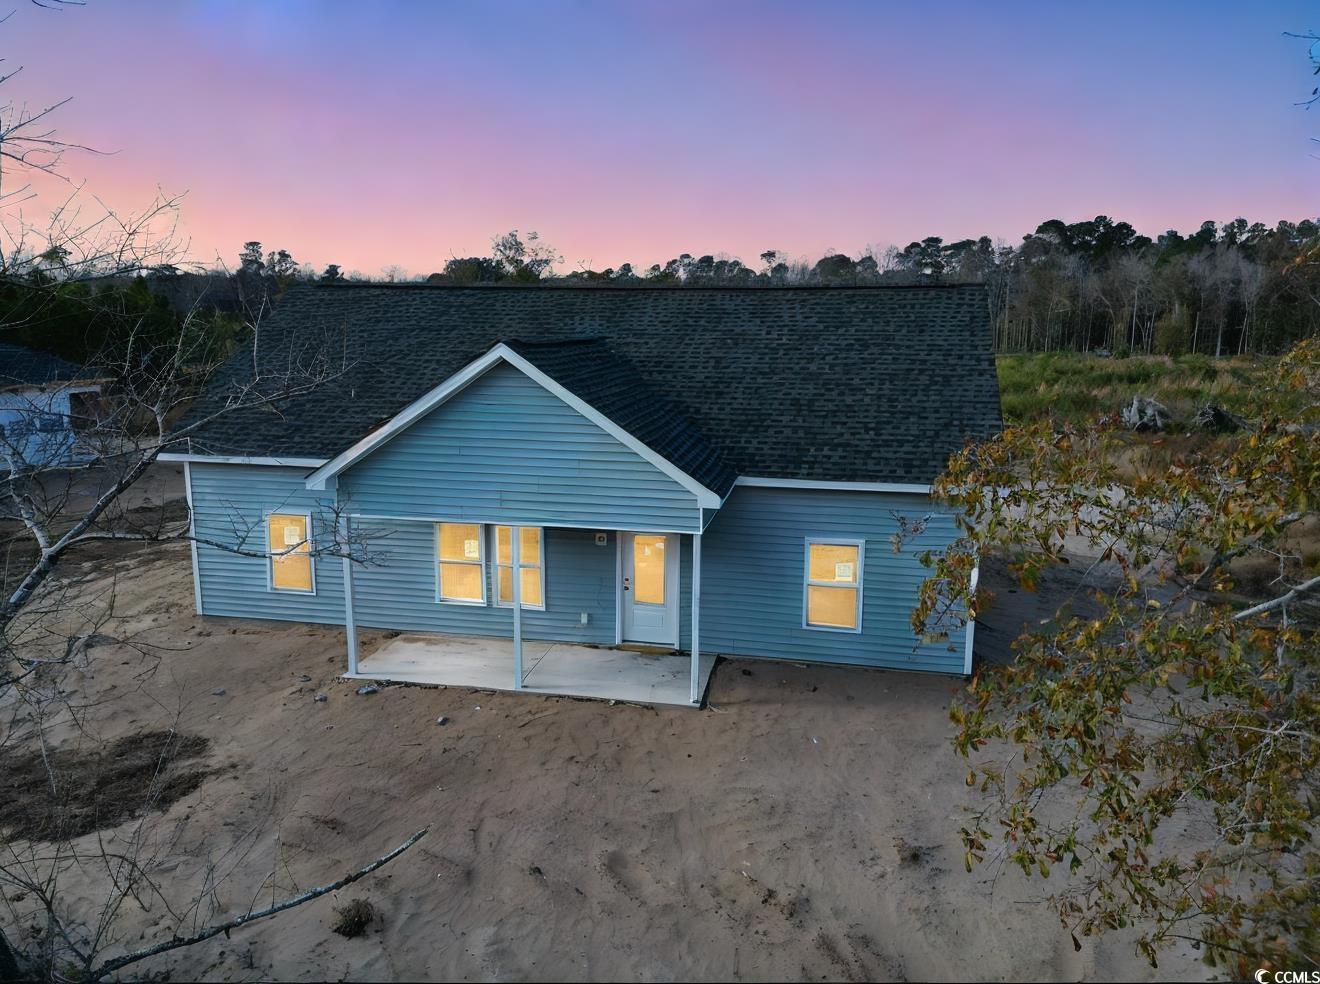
[{"x": 558, "y": 668}]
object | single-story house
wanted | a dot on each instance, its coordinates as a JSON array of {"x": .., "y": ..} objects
[
  {"x": 44, "y": 402},
  {"x": 594, "y": 490}
]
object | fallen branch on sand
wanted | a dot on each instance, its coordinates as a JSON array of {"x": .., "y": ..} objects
[{"x": 110, "y": 966}]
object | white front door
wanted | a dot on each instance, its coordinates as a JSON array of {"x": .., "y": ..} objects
[{"x": 650, "y": 588}]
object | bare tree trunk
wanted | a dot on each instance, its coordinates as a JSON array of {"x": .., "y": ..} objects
[{"x": 1133, "y": 329}]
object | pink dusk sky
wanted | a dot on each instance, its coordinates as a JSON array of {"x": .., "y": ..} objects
[{"x": 369, "y": 134}]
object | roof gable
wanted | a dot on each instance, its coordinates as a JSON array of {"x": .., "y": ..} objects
[
  {"x": 590, "y": 377},
  {"x": 591, "y": 370}
]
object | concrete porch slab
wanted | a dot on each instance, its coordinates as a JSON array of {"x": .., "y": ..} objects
[{"x": 562, "y": 669}]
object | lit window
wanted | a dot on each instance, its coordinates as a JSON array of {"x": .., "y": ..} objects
[
  {"x": 649, "y": 569},
  {"x": 290, "y": 552},
  {"x": 833, "y": 590},
  {"x": 461, "y": 573},
  {"x": 529, "y": 561}
]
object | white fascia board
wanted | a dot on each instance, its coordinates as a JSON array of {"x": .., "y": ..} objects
[
  {"x": 807, "y": 483},
  {"x": 502, "y": 353},
  {"x": 217, "y": 459},
  {"x": 57, "y": 386}
]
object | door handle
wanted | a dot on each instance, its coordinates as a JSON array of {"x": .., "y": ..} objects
[{"x": 626, "y": 583}]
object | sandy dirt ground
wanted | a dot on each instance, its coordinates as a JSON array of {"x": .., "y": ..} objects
[{"x": 804, "y": 826}]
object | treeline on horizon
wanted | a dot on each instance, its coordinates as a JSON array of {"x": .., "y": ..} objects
[
  {"x": 1226, "y": 289},
  {"x": 1229, "y": 288}
]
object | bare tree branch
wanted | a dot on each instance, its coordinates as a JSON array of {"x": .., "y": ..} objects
[
  {"x": 1279, "y": 602},
  {"x": 110, "y": 966}
]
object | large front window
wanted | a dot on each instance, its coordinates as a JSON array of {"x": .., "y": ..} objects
[
  {"x": 462, "y": 569},
  {"x": 834, "y": 585},
  {"x": 532, "y": 583}
]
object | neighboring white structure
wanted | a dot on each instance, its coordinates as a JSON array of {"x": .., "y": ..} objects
[{"x": 43, "y": 404}]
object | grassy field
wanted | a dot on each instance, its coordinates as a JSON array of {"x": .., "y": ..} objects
[{"x": 1071, "y": 385}]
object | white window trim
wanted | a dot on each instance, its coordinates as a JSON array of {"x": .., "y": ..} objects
[
  {"x": 270, "y": 551},
  {"x": 807, "y": 583},
  {"x": 495, "y": 566},
  {"x": 480, "y": 562}
]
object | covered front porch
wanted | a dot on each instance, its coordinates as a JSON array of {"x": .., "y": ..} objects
[
  {"x": 609, "y": 614},
  {"x": 540, "y": 493},
  {"x": 556, "y": 668}
]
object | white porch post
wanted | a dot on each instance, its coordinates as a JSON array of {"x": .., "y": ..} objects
[
  {"x": 696, "y": 618},
  {"x": 515, "y": 534},
  {"x": 350, "y": 626},
  {"x": 192, "y": 536}
]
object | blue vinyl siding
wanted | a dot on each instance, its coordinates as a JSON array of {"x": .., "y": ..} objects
[
  {"x": 506, "y": 450},
  {"x": 38, "y": 427},
  {"x": 230, "y": 503},
  {"x": 752, "y": 569},
  {"x": 399, "y": 591}
]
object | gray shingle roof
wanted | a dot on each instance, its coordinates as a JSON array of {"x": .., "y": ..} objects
[
  {"x": 875, "y": 384},
  {"x": 20, "y": 365}
]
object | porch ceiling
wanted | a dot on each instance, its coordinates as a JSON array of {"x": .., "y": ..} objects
[{"x": 557, "y": 668}]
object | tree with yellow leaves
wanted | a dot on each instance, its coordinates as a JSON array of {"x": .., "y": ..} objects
[{"x": 1161, "y": 748}]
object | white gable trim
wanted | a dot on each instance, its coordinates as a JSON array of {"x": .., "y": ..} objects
[
  {"x": 458, "y": 381},
  {"x": 806, "y": 483}
]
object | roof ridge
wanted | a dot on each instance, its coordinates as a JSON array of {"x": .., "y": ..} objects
[{"x": 554, "y": 342}]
